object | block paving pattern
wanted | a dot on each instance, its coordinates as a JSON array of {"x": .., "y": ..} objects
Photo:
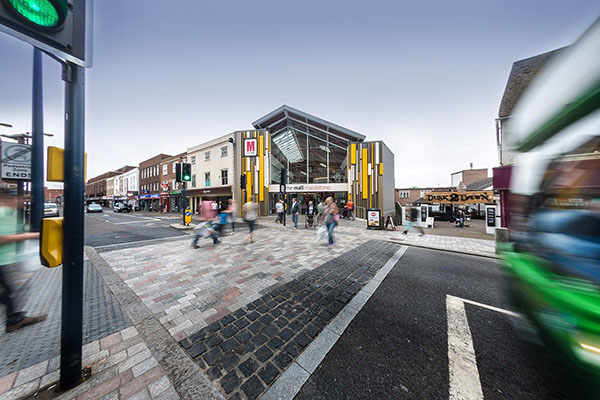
[
  {"x": 102, "y": 316},
  {"x": 244, "y": 352},
  {"x": 188, "y": 289},
  {"x": 122, "y": 368}
]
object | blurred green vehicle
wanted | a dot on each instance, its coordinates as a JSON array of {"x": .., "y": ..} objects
[{"x": 553, "y": 257}]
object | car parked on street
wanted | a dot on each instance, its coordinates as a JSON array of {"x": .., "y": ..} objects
[
  {"x": 51, "y": 210},
  {"x": 94, "y": 207}
]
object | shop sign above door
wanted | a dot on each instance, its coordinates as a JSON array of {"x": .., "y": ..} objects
[{"x": 469, "y": 197}]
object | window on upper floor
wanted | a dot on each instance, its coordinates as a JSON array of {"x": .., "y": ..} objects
[
  {"x": 165, "y": 169},
  {"x": 193, "y": 160},
  {"x": 207, "y": 179},
  {"x": 224, "y": 177},
  {"x": 193, "y": 180},
  {"x": 207, "y": 156},
  {"x": 224, "y": 151}
]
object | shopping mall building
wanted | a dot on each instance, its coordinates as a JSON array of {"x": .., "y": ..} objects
[{"x": 322, "y": 159}]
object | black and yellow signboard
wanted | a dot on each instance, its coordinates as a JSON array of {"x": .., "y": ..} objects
[{"x": 469, "y": 197}]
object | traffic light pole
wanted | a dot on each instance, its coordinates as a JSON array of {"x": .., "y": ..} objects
[
  {"x": 184, "y": 204},
  {"x": 72, "y": 290},
  {"x": 36, "y": 212}
]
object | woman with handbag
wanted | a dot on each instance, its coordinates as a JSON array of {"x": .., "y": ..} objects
[{"x": 332, "y": 217}]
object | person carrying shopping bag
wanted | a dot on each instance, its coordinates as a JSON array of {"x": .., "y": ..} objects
[{"x": 331, "y": 219}]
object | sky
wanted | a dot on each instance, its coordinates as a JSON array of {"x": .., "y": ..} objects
[{"x": 426, "y": 77}]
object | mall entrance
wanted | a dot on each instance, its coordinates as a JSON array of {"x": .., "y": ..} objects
[{"x": 304, "y": 197}]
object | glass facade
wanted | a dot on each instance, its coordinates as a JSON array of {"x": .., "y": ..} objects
[{"x": 311, "y": 154}]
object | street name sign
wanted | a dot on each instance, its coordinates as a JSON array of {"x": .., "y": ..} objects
[{"x": 16, "y": 161}]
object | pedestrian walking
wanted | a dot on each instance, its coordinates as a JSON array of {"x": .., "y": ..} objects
[
  {"x": 230, "y": 212},
  {"x": 12, "y": 232},
  {"x": 295, "y": 212},
  {"x": 350, "y": 206},
  {"x": 311, "y": 212},
  {"x": 250, "y": 215},
  {"x": 279, "y": 208},
  {"x": 331, "y": 219},
  {"x": 412, "y": 223}
]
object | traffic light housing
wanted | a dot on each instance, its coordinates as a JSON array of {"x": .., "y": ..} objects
[
  {"x": 243, "y": 181},
  {"x": 55, "y": 26},
  {"x": 282, "y": 180},
  {"x": 178, "y": 172},
  {"x": 186, "y": 172},
  {"x": 51, "y": 242}
]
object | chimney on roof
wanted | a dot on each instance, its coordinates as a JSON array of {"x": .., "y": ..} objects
[{"x": 471, "y": 165}]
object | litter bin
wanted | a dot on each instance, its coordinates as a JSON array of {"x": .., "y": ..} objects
[{"x": 373, "y": 218}]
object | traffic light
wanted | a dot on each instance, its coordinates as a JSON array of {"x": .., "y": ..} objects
[
  {"x": 178, "y": 172},
  {"x": 56, "y": 26},
  {"x": 283, "y": 176},
  {"x": 186, "y": 172},
  {"x": 243, "y": 181}
]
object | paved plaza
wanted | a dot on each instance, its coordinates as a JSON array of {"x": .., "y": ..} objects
[{"x": 164, "y": 320}]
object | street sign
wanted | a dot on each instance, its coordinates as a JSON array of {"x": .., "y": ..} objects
[
  {"x": 60, "y": 27},
  {"x": 250, "y": 147},
  {"x": 188, "y": 216},
  {"x": 16, "y": 161}
]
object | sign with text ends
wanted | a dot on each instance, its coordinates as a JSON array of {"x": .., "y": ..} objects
[
  {"x": 60, "y": 27},
  {"x": 250, "y": 147},
  {"x": 16, "y": 161},
  {"x": 468, "y": 197}
]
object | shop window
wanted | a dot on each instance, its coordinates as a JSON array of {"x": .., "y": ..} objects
[
  {"x": 207, "y": 179},
  {"x": 207, "y": 156},
  {"x": 224, "y": 180},
  {"x": 224, "y": 151}
]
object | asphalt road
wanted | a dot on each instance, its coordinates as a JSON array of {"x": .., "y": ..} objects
[
  {"x": 397, "y": 347},
  {"x": 112, "y": 229}
]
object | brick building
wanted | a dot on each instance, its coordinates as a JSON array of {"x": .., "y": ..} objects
[
  {"x": 150, "y": 182},
  {"x": 95, "y": 188},
  {"x": 170, "y": 194},
  {"x": 53, "y": 195},
  {"x": 468, "y": 176}
]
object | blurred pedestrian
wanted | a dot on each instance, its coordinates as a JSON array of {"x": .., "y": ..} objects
[
  {"x": 350, "y": 206},
  {"x": 331, "y": 218},
  {"x": 12, "y": 232},
  {"x": 250, "y": 215},
  {"x": 295, "y": 212},
  {"x": 279, "y": 210},
  {"x": 230, "y": 212}
]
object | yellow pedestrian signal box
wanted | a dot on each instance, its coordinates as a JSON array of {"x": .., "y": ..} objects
[
  {"x": 51, "y": 242},
  {"x": 188, "y": 216},
  {"x": 56, "y": 165}
]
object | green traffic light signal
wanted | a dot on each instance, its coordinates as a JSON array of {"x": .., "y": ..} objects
[
  {"x": 186, "y": 178},
  {"x": 41, "y": 13}
]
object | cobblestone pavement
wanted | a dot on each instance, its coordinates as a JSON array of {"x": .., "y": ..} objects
[
  {"x": 42, "y": 294},
  {"x": 122, "y": 368},
  {"x": 244, "y": 352},
  {"x": 188, "y": 289}
]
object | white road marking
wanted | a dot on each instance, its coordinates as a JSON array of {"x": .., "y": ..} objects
[
  {"x": 464, "y": 375},
  {"x": 130, "y": 222}
]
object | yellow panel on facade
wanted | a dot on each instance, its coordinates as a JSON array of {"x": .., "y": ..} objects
[
  {"x": 249, "y": 188},
  {"x": 51, "y": 242},
  {"x": 261, "y": 165},
  {"x": 381, "y": 169},
  {"x": 352, "y": 153},
  {"x": 365, "y": 174}
]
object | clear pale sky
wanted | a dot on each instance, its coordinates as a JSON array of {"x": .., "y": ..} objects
[{"x": 426, "y": 77}]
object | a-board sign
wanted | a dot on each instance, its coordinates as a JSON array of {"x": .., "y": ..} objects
[
  {"x": 16, "y": 161},
  {"x": 491, "y": 216},
  {"x": 468, "y": 197},
  {"x": 430, "y": 222},
  {"x": 250, "y": 147},
  {"x": 373, "y": 218}
]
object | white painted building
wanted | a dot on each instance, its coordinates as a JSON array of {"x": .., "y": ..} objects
[
  {"x": 212, "y": 171},
  {"x": 127, "y": 187}
]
